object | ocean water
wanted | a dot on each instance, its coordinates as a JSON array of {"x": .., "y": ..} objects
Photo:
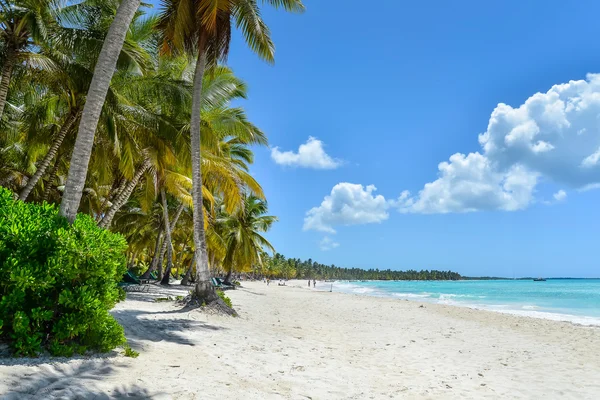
[{"x": 574, "y": 300}]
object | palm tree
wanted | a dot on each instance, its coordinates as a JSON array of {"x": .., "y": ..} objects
[
  {"x": 103, "y": 72},
  {"x": 23, "y": 24},
  {"x": 204, "y": 27},
  {"x": 242, "y": 235},
  {"x": 63, "y": 101},
  {"x": 74, "y": 51}
]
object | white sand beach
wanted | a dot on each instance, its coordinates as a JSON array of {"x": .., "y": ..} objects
[{"x": 293, "y": 343}]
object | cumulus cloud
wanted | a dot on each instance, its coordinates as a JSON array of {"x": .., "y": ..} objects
[
  {"x": 347, "y": 204},
  {"x": 552, "y": 136},
  {"x": 310, "y": 155},
  {"x": 561, "y": 195},
  {"x": 328, "y": 243}
]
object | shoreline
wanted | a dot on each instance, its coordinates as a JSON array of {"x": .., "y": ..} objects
[
  {"x": 536, "y": 312},
  {"x": 297, "y": 344},
  {"x": 541, "y": 315}
]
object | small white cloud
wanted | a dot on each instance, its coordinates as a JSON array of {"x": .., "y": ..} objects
[
  {"x": 541, "y": 147},
  {"x": 561, "y": 195},
  {"x": 347, "y": 204},
  {"x": 328, "y": 244},
  {"x": 310, "y": 155},
  {"x": 591, "y": 160},
  {"x": 588, "y": 187}
]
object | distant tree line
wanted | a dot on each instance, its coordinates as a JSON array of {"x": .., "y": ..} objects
[{"x": 280, "y": 267}]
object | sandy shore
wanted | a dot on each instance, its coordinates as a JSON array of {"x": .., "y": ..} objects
[{"x": 295, "y": 343}]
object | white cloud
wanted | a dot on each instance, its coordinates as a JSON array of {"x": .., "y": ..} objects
[
  {"x": 591, "y": 160},
  {"x": 470, "y": 183},
  {"x": 310, "y": 155},
  {"x": 347, "y": 204},
  {"x": 328, "y": 244},
  {"x": 561, "y": 195},
  {"x": 548, "y": 137}
]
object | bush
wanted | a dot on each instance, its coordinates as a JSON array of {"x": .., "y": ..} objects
[
  {"x": 129, "y": 352},
  {"x": 58, "y": 281},
  {"x": 224, "y": 297}
]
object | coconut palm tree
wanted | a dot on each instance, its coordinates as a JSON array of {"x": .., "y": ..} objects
[
  {"x": 204, "y": 27},
  {"x": 24, "y": 24},
  {"x": 241, "y": 231},
  {"x": 74, "y": 51},
  {"x": 103, "y": 72}
]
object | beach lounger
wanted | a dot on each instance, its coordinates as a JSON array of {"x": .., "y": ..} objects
[
  {"x": 220, "y": 284},
  {"x": 131, "y": 283},
  {"x": 153, "y": 277}
]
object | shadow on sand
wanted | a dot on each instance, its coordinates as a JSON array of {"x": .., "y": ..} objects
[
  {"x": 68, "y": 381},
  {"x": 141, "y": 326}
]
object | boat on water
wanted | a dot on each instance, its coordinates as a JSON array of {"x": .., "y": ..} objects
[{"x": 539, "y": 280}]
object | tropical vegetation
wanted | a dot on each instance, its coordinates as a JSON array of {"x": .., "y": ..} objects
[
  {"x": 117, "y": 127},
  {"x": 280, "y": 267}
]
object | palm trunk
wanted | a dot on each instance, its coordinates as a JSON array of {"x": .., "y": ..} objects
[
  {"x": 186, "y": 278},
  {"x": 172, "y": 227},
  {"x": 110, "y": 197},
  {"x": 51, "y": 179},
  {"x": 103, "y": 72},
  {"x": 154, "y": 261},
  {"x": 7, "y": 68},
  {"x": 49, "y": 156},
  {"x": 124, "y": 195},
  {"x": 228, "y": 276},
  {"x": 204, "y": 288},
  {"x": 167, "y": 275}
]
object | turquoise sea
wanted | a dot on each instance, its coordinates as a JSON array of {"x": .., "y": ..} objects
[{"x": 574, "y": 300}]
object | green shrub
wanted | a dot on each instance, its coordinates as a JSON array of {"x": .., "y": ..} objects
[
  {"x": 129, "y": 352},
  {"x": 226, "y": 299},
  {"x": 58, "y": 281}
]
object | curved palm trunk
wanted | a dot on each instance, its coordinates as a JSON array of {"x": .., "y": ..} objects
[
  {"x": 172, "y": 227},
  {"x": 167, "y": 275},
  {"x": 51, "y": 179},
  {"x": 228, "y": 276},
  {"x": 186, "y": 279},
  {"x": 49, "y": 156},
  {"x": 103, "y": 72},
  {"x": 7, "y": 68},
  {"x": 124, "y": 195},
  {"x": 154, "y": 261},
  {"x": 204, "y": 288}
]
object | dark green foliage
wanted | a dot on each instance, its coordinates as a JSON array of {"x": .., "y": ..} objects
[
  {"x": 224, "y": 297},
  {"x": 58, "y": 280},
  {"x": 310, "y": 269}
]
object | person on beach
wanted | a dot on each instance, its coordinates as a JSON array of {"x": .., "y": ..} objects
[
  {"x": 314, "y": 283},
  {"x": 309, "y": 283}
]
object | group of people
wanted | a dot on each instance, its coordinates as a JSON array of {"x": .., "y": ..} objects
[{"x": 282, "y": 282}]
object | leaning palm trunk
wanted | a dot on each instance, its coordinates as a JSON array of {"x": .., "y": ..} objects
[
  {"x": 167, "y": 275},
  {"x": 7, "y": 69},
  {"x": 51, "y": 179},
  {"x": 186, "y": 278},
  {"x": 172, "y": 225},
  {"x": 154, "y": 261},
  {"x": 204, "y": 288},
  {"x": 123, "y": 196},
  {"x": 103, "y": 72},
  {"x": 49, "y": 156}
]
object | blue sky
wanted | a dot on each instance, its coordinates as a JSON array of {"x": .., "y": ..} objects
[{"x": 390, "y": 92}]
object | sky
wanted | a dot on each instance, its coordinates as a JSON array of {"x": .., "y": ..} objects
[{"x": 432, "y": 135}]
